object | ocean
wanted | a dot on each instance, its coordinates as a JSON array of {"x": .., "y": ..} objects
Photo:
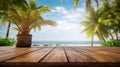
[{"x": 35, "y": 43}]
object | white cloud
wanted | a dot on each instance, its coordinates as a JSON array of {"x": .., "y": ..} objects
[
  {"x": 75, "y": 14},
  {"x": 62, "y": 26},
  {"x": 60, "y": 10},
  {"x": 70, "y": 20},
  {"x": 66, "y": 26},
  {"x": 71, "y": 14}
]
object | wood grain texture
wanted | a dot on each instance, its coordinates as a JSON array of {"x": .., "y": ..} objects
[
  {"x": 15, "y": 52},
  {"x": 60, "y": 54},
  {"x": 57, "y": 55},
  {"x": 32, "y": 57},
  {"x": 6, "y": 48},
  {"x": 75, "y": 56},
  {"x": 108, "y": 53},
  {"x": 98, "y": 55},
  {"x": 108, "y": 49}
]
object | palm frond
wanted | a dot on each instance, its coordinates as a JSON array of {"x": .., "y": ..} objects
[
  {"x": 34, "y": 15},
  {"x": 21, "y": 4},
  {"x": 42, "y": 23},
  {"x": 88, "y": 5},
  {"x": 48, "y": 22},
  {"x": 35, "y": 20},
  {"x": 4, "y": 20},
  {"x": 15, "y": 29},
  {"x": 32, "y": 4},
  {"x": 43, "y": 8},
  {"x": 90, "y": 28},
  {"x": 97, "y": 3},
  {"x": 89, "y": 31},
  {"x": 75, "y": 3},
  {"x": 98, "y": 36}
]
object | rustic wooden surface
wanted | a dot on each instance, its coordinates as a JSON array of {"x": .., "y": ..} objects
[{"x": 60, "y": 54}]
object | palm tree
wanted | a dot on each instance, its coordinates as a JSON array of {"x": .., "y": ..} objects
[
  {"x": 5, "y": 5},
  {"x": 2, "y": 9},
  {"x": 111, "y": 17},
  {"x": 103, "y": 21},
  {"x": 94, "y": 24},
  {"x": 26, "y": 18},
  {"x": 115, "y": 15},
  {"x": 89, "y": 8},
  {"x": 8, "y": 29}
]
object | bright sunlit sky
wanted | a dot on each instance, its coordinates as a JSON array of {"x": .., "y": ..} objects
[{"x": 68, "y": 20}]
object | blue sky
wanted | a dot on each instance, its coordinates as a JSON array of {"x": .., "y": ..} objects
[{"x": 68, "y": 20}]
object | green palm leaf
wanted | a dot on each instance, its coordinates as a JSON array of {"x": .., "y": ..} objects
[
  {"x": 75, "y": 3},
  {"x": 42, "y": 23}
]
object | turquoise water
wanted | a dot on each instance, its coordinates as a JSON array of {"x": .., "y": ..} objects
[{"x": 64, "y": 42}]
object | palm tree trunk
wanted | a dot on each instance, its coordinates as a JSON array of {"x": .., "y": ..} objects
[
  {"x": 101, "y": 35},
  {"x": 8, "y": 30},
  {"x": 111, "y": 35},
  {"x": 92, "y": 41},
  {"x": 116, "y": 36}
]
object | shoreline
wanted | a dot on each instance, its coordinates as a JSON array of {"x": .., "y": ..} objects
[{"x": 65, "y": 45}]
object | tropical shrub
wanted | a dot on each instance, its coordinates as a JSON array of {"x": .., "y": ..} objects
[
  {"x": 7, "y": 41},
  {"x": 118, "y": 44},
  {"x": 111, "y": 42}
]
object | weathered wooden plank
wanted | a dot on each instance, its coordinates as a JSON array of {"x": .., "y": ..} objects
[
  {"x": 6, "y": 48},
  {"x": 102, "y": 48},
  {"x": 108, "y": 49},
  {"x": 11, "y": 50},
  {"x": 113, "y": 55},
  {"x": 68, "y": 54},
  {"x": 57, "y": 55},
  {"x": 32, "y": 57},
  {"x": 75, "y": 56},
  {"x": 97, "y": 56},
  {"x": 16, "y": 52}
]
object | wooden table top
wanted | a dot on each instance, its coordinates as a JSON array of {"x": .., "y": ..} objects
[{"x": 63, "y": 54}]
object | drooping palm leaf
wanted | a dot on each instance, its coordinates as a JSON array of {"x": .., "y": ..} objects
[
  {"x": 75, "y": 3},
  {"x": 42, "y": 23}
]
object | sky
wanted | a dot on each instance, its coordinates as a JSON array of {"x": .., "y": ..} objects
[{"x": 68, "y": 22}]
